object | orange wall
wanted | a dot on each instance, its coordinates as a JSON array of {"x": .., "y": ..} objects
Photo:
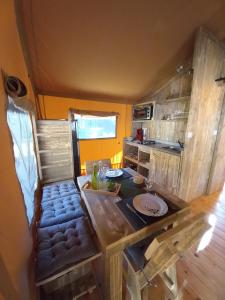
[
  {"x": 57, "y": 108},
  {"x": 15, "y": 237}
]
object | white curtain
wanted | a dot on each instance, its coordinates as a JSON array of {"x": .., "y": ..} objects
[{"x": 20, "y": 126}]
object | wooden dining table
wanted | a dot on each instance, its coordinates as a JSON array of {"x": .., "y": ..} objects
[{"x": 115, "y": 232}]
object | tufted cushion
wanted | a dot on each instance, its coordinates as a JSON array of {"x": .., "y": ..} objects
[
  {"x": 61, "y": 246},
  {"x": 58, "y": 190},
  {"x": 60, "y": 210}
]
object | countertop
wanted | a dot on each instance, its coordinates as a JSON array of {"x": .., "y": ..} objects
[{"x": 177, "y": 150}]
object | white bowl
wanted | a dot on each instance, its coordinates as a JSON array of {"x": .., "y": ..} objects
[{"x": 138, "y": 179}]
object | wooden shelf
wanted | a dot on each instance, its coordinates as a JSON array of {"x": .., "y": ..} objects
[
  {"x": 143, "y": 171},
  {"x": 166, "y": 120},
  {"x": 131, "y": 159},
  {"x": 132, "y": 144},
  {"x": 144, "y": 165},
  {"x": 66, "y": 149},
  {"x": 175, "y": 119},
  {"x": 46, "y": 134},
  {"x": 184, "y": 98},
  {"x": 141, "y": 121},
  {"x": 59, "y": 165},
  {"x": 55, "y": 179}
]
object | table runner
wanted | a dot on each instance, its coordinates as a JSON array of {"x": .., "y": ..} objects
[{"x": 127, "y": 192}]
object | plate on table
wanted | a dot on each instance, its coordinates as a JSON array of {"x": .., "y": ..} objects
[
  {"x": 150, "y": 205},
  {"x": 113, "y": 173}
]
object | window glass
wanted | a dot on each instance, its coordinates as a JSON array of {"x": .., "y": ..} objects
[
  {"x": 92, "y": 127},
  {"x": 20, "y": 126}
]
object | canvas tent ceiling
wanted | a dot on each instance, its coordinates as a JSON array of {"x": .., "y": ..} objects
[{"x": 117, "y": 50}]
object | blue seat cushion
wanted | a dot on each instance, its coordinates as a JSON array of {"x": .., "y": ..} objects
[
  {"x": 58, "y": 190},
  {"x": 62, "y": 246},
  {"x": 60, "y": 210}
]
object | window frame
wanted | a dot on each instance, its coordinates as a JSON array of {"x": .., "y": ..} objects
[{"x": 98, "y": 138}]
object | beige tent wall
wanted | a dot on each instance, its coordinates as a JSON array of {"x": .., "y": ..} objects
[
  {"x": 116, "y": 51},
  {"x": 15, "y": 236}
]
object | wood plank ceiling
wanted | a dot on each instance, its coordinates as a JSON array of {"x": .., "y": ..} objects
[{"x": 112, "y": 50}]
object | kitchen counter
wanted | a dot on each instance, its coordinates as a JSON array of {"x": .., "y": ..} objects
[{"x": 176, "y": 150}]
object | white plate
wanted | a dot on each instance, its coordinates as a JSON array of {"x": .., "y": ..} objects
[
  {"x": 114, "y": 173},
  {"x": 150, "y": 205}
]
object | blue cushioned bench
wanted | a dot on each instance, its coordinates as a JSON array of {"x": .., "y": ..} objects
[
  {"x": 63, "y": 234},
  {"x": 62, "y": 246},
  {"x": 59, "y": 189},
  {"x": 59, "y": 210}
]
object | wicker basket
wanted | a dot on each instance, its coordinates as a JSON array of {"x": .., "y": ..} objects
[{"x": 88, "y": 187}]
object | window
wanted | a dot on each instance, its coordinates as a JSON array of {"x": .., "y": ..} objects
[
  {"x": 20, "y": 126},
  {"x": 95, "y": 127}
]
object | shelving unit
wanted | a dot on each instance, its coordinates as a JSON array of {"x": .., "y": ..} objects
[
  {"x": 144, "y": 165},
  {"x": 54, "y": 150},
  {"x": 183, "y": 98},
  {"x": 171, "y": 110},
  {"x": 143, "y": 171},
  {"x": 176, "y": 119},
  {"x": 131, "y": 153},
  {"x": 141, "y": 121},
  {"x": 163, "y": 166},
  {"x": 144, "y": 159},
  {"x": 141, "y": 162},
  {"x": 131, "y": 159}
]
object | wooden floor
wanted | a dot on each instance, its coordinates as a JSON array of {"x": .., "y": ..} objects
[{"x": 201, "y": 274}]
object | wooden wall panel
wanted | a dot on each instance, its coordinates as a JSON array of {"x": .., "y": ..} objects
[
  {"x": 179, "y": 85},
  {"x": 167, "y": 170},
  {"x": 172, "y": 97},
  {"x": 49, "y": 158},
  {"x": 56, "y": 173},
  {"x": 217, "y": 173},
  {"x": 204, "y": 115},
  {"x": 170, "y": 107},
  {"x": 170, "y": 131}
]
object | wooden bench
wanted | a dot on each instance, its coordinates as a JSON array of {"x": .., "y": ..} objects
[{"x": 65, "y": 244}]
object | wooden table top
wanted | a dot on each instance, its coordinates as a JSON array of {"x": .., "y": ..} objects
[{"x": 109, "y": 222}]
